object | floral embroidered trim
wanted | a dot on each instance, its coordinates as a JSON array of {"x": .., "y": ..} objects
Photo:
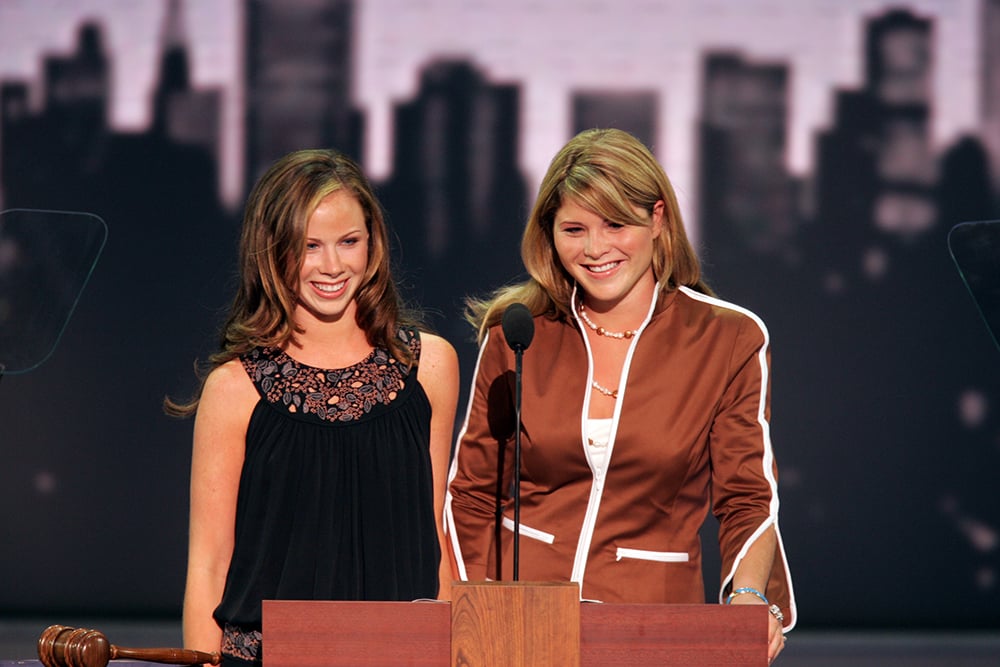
[
  {"x": 333, "y": 395},
  {"x": 240, "y": 643}
]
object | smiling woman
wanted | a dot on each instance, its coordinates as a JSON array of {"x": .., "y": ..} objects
[
  {"x": 321, "y": 379},
  {"x": 646, "y": 401},
  {"x": 610, "y": 260},
  {"x": 335, "y": 260}
]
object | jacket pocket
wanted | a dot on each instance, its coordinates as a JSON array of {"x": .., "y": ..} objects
[
  {"x": 659, "y": 556},
  {"x": 527, "y": 531}
]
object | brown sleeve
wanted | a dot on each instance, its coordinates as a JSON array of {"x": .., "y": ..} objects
[
  {"x": 481, "y": 469},
  {"x": 744, "y": 471}
]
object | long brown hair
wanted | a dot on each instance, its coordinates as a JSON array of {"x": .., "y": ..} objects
[
  {"x": 611, "y": 173},
  {"x": 272, "y": 246}
]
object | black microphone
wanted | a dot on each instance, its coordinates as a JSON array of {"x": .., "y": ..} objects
[
  {"x": 518, "y": 326},
  {"x": 518, "y": 330}
]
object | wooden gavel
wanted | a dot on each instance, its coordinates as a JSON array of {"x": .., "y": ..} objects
[{"x": 62, "y": 646}]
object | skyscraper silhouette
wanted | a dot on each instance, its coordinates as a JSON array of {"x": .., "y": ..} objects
[
  {"x": 899, "y": 77},
  {"x": 69, "y": 135},
  {"x": 876, "y": 173},
  {"x": 90, "y": 419},
  {"x": 299, "y": 80},
  {"x": 632, "y": 111},
  {"x": 183, "y": 114},
  {"x": 989, "y": 62},
  {"x": 456, "y": 197},
  {"x": 746, "y": 195}
]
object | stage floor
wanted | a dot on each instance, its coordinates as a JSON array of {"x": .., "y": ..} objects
[{"x": 805, "y": 648}]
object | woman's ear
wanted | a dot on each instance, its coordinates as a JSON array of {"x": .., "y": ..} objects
[{"x": 657, "y": 224}]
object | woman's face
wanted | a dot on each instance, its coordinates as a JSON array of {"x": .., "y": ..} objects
[
  {"x": 335, "y": 259},
  {"x": 611, "y": 262}
]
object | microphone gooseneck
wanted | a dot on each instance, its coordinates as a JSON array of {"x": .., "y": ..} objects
[{"x": 518, "y": 330}]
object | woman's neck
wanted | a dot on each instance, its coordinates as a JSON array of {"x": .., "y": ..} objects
[
  {"x": 333, "y": 344},
  {"x": 627, "y": 313}
]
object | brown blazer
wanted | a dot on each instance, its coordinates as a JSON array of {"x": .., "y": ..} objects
[{"x": 690, "y": 429}]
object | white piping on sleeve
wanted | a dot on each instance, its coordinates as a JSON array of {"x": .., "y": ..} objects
[
  {"x": 788, "y": 581},
  {"x": 449, "y": 516},
  {"x": 767, "y": 458}
]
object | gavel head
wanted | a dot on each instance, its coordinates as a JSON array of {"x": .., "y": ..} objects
[{"x": 62, "y": 646}]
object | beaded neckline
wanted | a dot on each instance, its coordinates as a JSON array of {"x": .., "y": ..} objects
[{"x": 330, "y": 395}]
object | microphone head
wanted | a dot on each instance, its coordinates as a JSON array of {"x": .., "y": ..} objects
[{"x": 518, "y": 326}]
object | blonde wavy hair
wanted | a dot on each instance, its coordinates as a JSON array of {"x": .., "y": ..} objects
[{"x": 611, "y": 173}]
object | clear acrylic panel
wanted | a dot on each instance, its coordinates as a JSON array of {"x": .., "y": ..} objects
[
  {"x": 975, "y": 248},
  {"x": 46, "y": 258}
]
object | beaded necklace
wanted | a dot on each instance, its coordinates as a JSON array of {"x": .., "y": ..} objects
[{"x": 601, "y": 331}]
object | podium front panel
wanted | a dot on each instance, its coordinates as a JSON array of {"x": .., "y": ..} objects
[
  {"x": 675, "y": 635},
  {"x": 356, "y": 634},
  {"x": 439, "y": 634}
]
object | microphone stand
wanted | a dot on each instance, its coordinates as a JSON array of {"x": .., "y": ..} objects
[
  {"x": 518, "y": 329},
  {"x": 518, "y": 353}
]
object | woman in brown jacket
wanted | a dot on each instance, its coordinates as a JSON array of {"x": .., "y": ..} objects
[{"x": 646, "y": 401}]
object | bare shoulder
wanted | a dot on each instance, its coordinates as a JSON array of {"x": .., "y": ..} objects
[
  {"x": 437, "y": 373},
  {"x": 438, "y": 359},
  {"x": 228, "y": 387}
]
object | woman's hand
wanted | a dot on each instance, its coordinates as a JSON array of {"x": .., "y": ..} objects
[{"x": 775, "y": 637}]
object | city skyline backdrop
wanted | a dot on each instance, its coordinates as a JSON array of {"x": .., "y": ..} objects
[
  {"x": 563, "y": 47},
  {"x": 886, "y": 390}
]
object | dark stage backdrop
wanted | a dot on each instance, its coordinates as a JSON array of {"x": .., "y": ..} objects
[{"x": 885, "y": 379}]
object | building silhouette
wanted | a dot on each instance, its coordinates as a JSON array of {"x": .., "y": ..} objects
[
  {"x": 747, "y": 198},
  {"x": 456, "y": 197},
  {"x": 881, "y": 139},
  {"x": 899, "y": 74},
  {"x": 989, "y": 62},
  {"x": 85, "y": 433},
  {"x": 879, "y": 342},
  {"x": 69, "y": 135},
  {"x": 181, "y": 113},
  {"x": 299, "y": 80},
  {"x": 633, "y": 111},
  {"x": 875, "y": 343}
]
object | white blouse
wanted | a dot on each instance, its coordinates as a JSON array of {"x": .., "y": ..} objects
[{"x": 598, "y": 435}]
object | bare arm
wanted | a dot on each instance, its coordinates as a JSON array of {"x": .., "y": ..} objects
[
  {"x": 220, "y": 427},
  {"x": 438, "y": 374}
]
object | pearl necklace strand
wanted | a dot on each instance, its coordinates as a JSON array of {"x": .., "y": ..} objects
[
  {"x": 611, "y": 393},
  {"x": 601, "y": 331}
]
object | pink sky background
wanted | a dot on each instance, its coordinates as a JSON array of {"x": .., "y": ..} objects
[{"x": 550, "y": 47}]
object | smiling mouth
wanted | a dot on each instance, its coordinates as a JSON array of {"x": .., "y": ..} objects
[
  {"x": 328, "y": 288},
  {"x": 603, "y": 268}
]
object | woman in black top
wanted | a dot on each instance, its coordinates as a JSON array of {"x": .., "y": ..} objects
[{"x": 323, "y": 430}]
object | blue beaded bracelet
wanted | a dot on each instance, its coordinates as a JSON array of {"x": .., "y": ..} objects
[{"x": 744, "y": 590}]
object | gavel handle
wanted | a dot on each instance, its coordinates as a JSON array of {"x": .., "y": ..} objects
[{"x": 169, "y": 656}]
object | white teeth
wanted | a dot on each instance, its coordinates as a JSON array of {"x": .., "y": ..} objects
[
  {"x": 603, "y": 267},
  {"x": 322, "y": 287}
]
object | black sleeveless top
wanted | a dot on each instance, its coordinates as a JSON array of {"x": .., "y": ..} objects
[{"x": 336, "y": 495}]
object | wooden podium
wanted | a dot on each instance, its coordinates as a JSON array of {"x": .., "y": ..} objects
[{"x": 491, "y": 624}]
